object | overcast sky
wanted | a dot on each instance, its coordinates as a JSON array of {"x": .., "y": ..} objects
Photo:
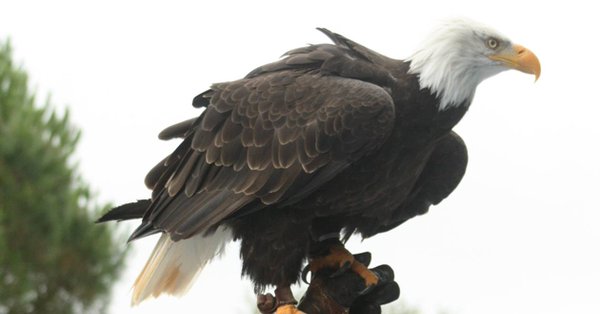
[{"x": 521, "y": 233}]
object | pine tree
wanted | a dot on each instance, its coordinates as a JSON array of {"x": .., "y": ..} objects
[{"x": 53, "y": 258}]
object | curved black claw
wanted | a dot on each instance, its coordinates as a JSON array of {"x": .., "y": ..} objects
[
  {"x": 341, "y": 270},
  {"x": 305, "y": 272},
  {"x": 369, "y": 288}
]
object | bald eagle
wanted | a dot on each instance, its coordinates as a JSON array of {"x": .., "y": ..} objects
[{"x": 329, "y": 141}]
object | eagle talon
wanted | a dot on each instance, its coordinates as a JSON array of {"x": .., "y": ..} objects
[
  {"x": 344, "y": 261},
  {"x": 344, "y": 268},
  {"x": 305, "y": 272},
  {"x": 367, "y": 289},
  {"x": 371, "y": 278},
  {"x": 338, "y": 258}
]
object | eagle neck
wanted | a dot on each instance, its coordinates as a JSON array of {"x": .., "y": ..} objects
[
  {"x": 418, "y": 112},
  {"x": 446, "y": 75}
]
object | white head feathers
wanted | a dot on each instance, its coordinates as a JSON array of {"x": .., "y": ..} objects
[{"x": 453, "y": 60}]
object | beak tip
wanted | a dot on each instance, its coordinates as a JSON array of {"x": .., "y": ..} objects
[{"x": 537, "y": 72}]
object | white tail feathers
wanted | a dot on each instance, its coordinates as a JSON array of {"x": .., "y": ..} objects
[{"x": 173, "y": 266}]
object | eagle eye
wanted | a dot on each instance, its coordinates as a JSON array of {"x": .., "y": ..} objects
[{"x": 492, "y": 43}]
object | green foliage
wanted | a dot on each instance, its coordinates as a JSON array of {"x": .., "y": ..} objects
[{"x": 53, "y": 258}]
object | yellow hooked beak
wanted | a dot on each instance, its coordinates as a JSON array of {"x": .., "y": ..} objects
[{"x": 519, "y": 58}]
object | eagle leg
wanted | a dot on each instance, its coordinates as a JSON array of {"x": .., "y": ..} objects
[
  {"x": 340, "y": 258},
  {"x": 282, "y": 303}
]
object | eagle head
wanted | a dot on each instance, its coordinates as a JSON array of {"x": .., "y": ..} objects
[{"x": 460, "y": 54}]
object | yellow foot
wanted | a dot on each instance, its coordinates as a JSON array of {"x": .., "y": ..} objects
[
  {"x": 370, "y": 278},
  {"x": 340, "y": 258},
  {"x": 288, "y": 309}
]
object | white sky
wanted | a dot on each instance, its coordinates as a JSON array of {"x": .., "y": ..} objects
[{"x": 521, "y": 233}]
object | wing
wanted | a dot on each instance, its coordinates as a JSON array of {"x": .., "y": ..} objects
[
  {"x": 269, "y": 139},
  {"x": 442, "y": 174}
]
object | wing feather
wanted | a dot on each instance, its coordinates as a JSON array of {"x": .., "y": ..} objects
[
  {"x": 271, "y": 138},
  {"x": 155, "y": 174},
  {"x": 177, "y": 130}
]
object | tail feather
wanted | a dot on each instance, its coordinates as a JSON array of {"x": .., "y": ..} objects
[
  {"x": 173, "y": 266},
  {"x": 126, "y": 211}
]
